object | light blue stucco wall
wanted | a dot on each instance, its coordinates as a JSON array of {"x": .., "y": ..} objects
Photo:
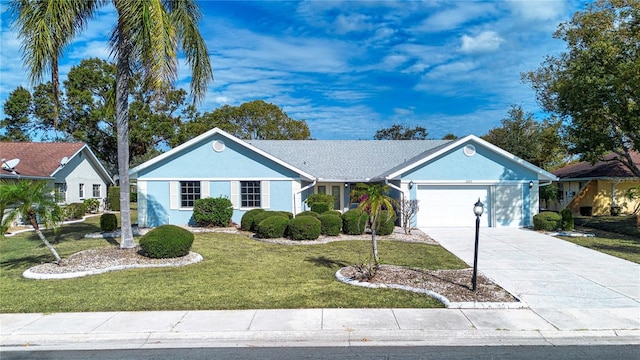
[
  {"x": 219, "y": 169},
  {"x": 484, "y": 165}
]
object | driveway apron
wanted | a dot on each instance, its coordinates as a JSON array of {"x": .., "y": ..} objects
[{"x": 546, "y": 272}]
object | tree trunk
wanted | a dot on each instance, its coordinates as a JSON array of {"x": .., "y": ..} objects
[
  {"x": 374, "y": 247},
  {"x": 122, "y": 126},
  {"x": 34, "y": 222}
]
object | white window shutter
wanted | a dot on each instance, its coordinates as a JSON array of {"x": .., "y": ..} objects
[
  {"x": 235, "y": 194},
  {"x": 265, "y": 199},
  {"x": 205, "y": 192},
  {"x": 174, "y": 194}
]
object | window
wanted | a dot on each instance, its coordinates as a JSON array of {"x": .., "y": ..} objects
[
  {"x": 250, "y": 194},
  {"x": 560, "y": 191},
  {"x": 60, "y": 192},
  {"x": 189, "y": 193},
  {"x": 81, "y": 191},
  {"x": 96, "y": 190}
]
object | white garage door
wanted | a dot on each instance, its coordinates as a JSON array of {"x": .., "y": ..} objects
[{"x": 451, "y": 205}]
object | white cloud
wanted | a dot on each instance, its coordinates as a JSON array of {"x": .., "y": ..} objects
[
  {"x": 456, "y": 15},
  {"x": 539, "y": 10},
  {"x": 486, "y": 41}
]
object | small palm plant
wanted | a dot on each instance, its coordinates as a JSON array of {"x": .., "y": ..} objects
[
  {"x": 375, "y": 201},
  {"x": 33, "y": 200}
]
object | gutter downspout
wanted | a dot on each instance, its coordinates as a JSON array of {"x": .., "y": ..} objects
[{"x": 315, "y": 181}]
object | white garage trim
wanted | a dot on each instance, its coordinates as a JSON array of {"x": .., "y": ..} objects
[{"x": 452, "y": 205}]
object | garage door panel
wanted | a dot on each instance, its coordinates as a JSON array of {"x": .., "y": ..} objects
[{"x": 451, "y": 205}]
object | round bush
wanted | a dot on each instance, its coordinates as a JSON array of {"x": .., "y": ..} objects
[
  {"x": 166, "y": 241},
  {"x": 304, "y": 228},
  {"x": 333, "y": 212},
  {"x": 265, "y": 215},
  {"x": 108, "y": 222},
  {"x": 246, "y": 222},
  {"x": 309, "y": 213},
  {"x": 288, "y": 214},
  {"x": 387, "y": 223},
  {"x": 213, "y": 212},
  {"x": 547, "y": 221},
  {"x": 330, "y": 224},
  {"x": 272, "y": 227},
  {"x": 354, "y": 222}
]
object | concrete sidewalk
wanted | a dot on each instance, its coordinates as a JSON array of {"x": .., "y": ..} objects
[{"x": 307, "y": 327}]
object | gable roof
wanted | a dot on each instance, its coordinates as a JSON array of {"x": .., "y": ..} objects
[
  {"x": 347, "y": 160},
  {"x": 42, "y": 159},
  {"x": 609, "y": 168}
]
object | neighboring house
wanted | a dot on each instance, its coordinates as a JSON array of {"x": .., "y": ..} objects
[
  {"x": 73, "y": 169},
  {"x": 596, "y": 187},
  {"x": 446, "y": 176}
]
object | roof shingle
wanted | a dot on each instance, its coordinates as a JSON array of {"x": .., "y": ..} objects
[
  {"x": 602, "y": 169},
  {"x": 38, "y": 158}
]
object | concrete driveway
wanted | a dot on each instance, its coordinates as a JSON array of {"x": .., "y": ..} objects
[{"x": 546, "y": 272}]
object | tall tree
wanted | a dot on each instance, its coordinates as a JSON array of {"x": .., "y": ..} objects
[
  {"x": 18, "y": 111},
  {"x": 34, "y": 201},
  {"x": 256, "y": 119},
  {"x": 401, "y": 132},
  {"x": 536, "y": 142},
  {"x": 146, "y": 37},
  {"x": 595, "y": 85}
]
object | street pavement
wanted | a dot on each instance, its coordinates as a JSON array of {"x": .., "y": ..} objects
[{"x": 575, "y": 296}]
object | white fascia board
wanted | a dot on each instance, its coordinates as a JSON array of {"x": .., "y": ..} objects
[
  {"x": 161, "y": 157},
  {"x": 542, "y": 174},
  {"x": 94, "y": 160}
]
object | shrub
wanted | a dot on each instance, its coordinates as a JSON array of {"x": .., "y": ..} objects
[
  {"x": 320, "y": 203},
  {"x": 334, "y": 212},
  {"x": 304, "y": 228},
  {"x": 272, "y": 227},
  {"x": 387, "y": 223},
  {"x": 166, "y": 241},
  {"x": 567, "y": 219},
  {"x": 330, "y": 224},
  {"x": 246, "y": 222},
  {"x": 92, "y": 204},
  {"x": 113, "y": 198},
  {"x": 309, "y": 213},
  {"x": 257, "y": 219},
  {"x": 547, "y": 220},
  {"x": 354, "y": 222},
  {"x": 75, "y": 211},
  {"x": 108, "y": 222},
  {"x": 213, "y": 211},
  {"x": 288, "y": 214}
]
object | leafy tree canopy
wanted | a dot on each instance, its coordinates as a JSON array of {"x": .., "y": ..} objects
[
  {"x": 536, "y": 142},
  {"x": 401, "y": 132},
  {"x": 595, "y": 85}
]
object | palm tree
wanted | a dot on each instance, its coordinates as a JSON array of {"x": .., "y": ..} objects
[
  {"x": 33, "y": 200},
  {"x": 373, "y": 200},
  {"x": 146, "y": 38}
]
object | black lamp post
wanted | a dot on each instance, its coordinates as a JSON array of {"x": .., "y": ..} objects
[{"x": 478, "y": 209}]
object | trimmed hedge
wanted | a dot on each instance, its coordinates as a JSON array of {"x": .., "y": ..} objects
[
  {"x": 246, "y": 222},
  {"x": 288, "y": 214},
  {"x": 108, "y": 222},
  {"x": 320, "y": 203},
  {"x": 387, "y": 223},
  {"x": 272, "y": 227},
  {"x": 354, "y": 222},
  {"x": 547, "y": 220},
  {"x": 75, "y": 211},
  {"x": 257, "y": 219},
  {"x": 309, "y": 213},
  {"x": 567, "y": 220},
  {"x": 330, "y": 224},
  {"x": 113, "y": 198},
  {"x": 304, "y": 228},
  {"x": 213, "y": 212},
  {"x": 166, "y": 241}
]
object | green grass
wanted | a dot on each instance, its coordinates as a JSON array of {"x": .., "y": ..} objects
[
  {"x": 614, "y": 235},
  {"x": 237, "y": 273}
]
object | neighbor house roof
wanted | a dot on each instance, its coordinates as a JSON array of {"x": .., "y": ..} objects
[
  {"x": 41, "y": 159},
  {"x": 347, "y": 160},
  {"x": 609, "y": 168}
]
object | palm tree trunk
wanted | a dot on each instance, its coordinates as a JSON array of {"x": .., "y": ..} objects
[
  {"x": 122, "y": 126},
  {"x": 34, "y": 222},
  {"x": 374, "y": 246}
]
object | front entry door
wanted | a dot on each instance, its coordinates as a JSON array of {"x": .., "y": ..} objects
[{"x": 336, "y": 191}]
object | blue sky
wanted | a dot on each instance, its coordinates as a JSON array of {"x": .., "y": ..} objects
[{"x": 350, "y": 68}]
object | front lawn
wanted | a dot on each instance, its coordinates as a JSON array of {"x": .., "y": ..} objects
[
  {"x": 237, "y": 273},
  {"x": 614, "y": 235}
]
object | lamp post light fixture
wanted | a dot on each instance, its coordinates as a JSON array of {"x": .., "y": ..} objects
[
  {"x": 410, "y": 184},
  {"x": 478, "y": 209}
]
